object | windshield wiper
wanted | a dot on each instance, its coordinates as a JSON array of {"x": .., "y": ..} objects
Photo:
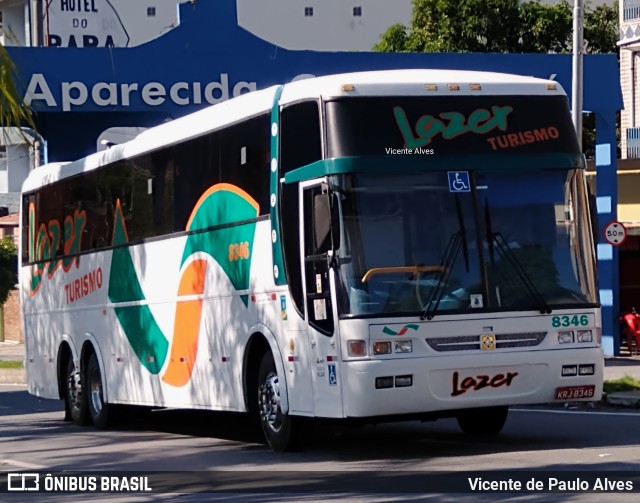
[
  {"x": 497, "y": 242},
  {"x": 457, "y": 240}
]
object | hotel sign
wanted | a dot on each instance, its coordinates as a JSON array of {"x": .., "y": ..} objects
[{"x": 84, "y": 23}]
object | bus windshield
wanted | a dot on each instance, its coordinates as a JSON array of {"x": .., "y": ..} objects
[{"x": 517, "y": 241}]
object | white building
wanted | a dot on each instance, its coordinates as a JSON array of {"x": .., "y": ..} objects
[
  {"x": 16, "y": 159},
  {"x": 629, "y": 72}
]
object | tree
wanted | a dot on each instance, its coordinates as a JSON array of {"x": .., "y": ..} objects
[
  {"x": 546, "y": 28},
  {"x": 8, "y": 275},
  {"x": 13, "y": 112},
  {"x": 8, "y": 268},
  {"x": 499, "y": 26},
  {"x": 601, "y": 29}
]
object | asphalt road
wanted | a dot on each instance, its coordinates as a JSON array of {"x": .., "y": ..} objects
[{"x": 411, "y": 461}]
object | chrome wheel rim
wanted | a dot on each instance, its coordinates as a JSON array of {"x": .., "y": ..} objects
[
  {"x": 269, "y": 402},
  {"x": 73, "y": 389},
  {"x": 96, "y": 391}
]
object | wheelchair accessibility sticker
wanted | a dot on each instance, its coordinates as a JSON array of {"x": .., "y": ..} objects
[
  {"x": 333, "y": 377},
  {"x": 459, "y": 181}
]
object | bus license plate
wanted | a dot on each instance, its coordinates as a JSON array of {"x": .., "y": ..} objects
[{"x": 571, "y": 392}]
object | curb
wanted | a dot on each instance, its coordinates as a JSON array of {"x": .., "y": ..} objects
[
  {"x": 630, "y": 399},
  {"x": 12, "y": 376}
]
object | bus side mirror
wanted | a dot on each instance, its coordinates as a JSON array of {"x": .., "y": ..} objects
[{"x": 326, "y": 223}]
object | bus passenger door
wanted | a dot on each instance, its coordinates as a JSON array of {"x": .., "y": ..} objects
[{"x": 318, "y": 240}]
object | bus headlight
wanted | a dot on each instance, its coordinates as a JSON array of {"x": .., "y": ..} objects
[
  {"x": 565, "y": 337},
  {"x": 402, "y": 346},
  {"x": 357, "y": 348},
  {"x": 382, "y": 348},
  {"x": 585, "y": 336}
]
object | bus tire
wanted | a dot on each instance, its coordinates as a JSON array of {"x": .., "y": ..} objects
[
  {"x": 483, "y": 422},
  {"x": 98, "y": 408},
  {"x": 279, "y": 429},
  {"x": 75, "y": 398}
]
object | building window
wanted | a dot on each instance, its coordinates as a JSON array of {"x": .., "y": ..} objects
[
  {"x": 308, "y": 11},
  {"x": 151, "y": 12},
  {"x": 357, "y": 11},
  {"x": 3, "y": 158},
  {"x": 630, "y": 10}
]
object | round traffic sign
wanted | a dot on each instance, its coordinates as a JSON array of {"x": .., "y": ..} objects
[{"x": 615, "y": 233}]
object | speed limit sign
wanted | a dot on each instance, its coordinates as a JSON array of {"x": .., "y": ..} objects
[{"x": 615, "y": 233}]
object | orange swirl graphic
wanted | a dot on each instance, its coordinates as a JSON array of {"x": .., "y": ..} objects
[{"x": 187, "y": 325}]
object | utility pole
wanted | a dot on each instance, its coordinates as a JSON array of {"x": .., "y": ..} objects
[
  {"x": 37, "y": 17},
  {"x": 577, "y": 68}
]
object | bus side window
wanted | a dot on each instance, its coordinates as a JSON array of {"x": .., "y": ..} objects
[
  {"x": 244, "y": 154},
  {"x": 300, "y": 144},
  {"x": 196, "y": 167}
]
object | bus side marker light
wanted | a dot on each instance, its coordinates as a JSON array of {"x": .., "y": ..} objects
[
  {"x": 384, "y": 382},
  {"x": 585, "y": 336},
  {"x": 357, "y": 348},
  {"x": 348, "y": 87},
  {"x": 565, "y": 337},
  {"x": 404, "y": 381},
  {"x": 569, "y": 370},
  {"x": 382, "y": 348},
  {"x": 403, "y": 346},
  {"x": 431, "y": 87}
]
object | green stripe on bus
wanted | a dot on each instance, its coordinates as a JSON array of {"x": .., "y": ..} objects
[
  {"x": 138, "y": 323},
  {"x": 279, "y": 276},
  {"x": 382, "y": 165}
]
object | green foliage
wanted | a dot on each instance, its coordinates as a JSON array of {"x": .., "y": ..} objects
[
  {"x": 601, "y": 29},
  {"x": 546, "y": 28},
  {"x": 10, "y": 364},
  {"x": 500, "y": 26},
  {"x": 393, "y": 40},
  {"x": 626, "y": 383},
  {"x": 13, "y": 112},
  {"x": 8, "y": 268}
]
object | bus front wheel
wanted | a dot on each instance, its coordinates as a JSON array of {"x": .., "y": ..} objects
[
  {"x": 75, "y": 398},
  {"x": 98, "y": 408},
  {"x": 280, "y": 430},
  {"x": 486, "y": 421}
]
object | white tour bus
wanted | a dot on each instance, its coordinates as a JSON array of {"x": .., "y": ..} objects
[{"x": 370, "y": 246}]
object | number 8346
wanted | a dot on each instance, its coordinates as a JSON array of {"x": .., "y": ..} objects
[{"x": 567, "y": 320}]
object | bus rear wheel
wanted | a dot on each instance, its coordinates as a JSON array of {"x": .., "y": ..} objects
[
  {"x": 98, "y": 408},
  {"x": 279, "y": 429},
  {"x": 75, "y": 398},
  {"x": 483, "y": 422}
]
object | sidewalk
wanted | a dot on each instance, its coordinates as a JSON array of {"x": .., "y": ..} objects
[
  {"x": 12, "y": 351},
  {"x": 615, "y": 367}
]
